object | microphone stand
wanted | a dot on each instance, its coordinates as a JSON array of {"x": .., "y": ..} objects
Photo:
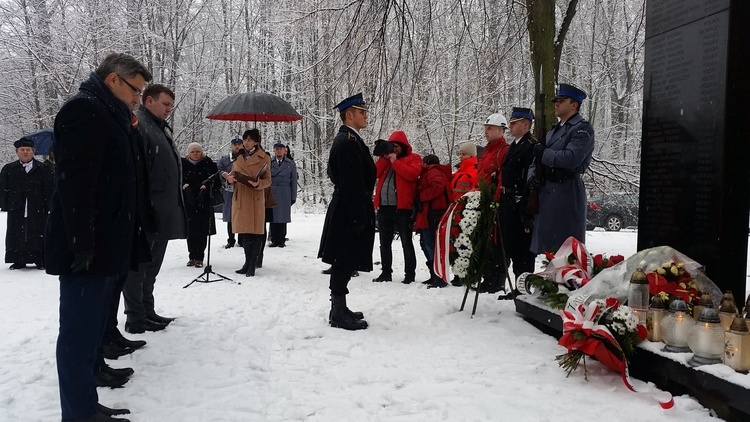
[{"x": 205, "y": 277}]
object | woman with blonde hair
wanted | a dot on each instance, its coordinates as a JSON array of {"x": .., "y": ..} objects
[
  {"x": 196, "y": 168},
  {"x": 251, "y": 174}
]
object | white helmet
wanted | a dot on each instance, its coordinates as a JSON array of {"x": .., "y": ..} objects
[{"x": 497, "y": 119}]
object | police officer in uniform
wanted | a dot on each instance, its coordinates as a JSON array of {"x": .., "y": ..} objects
[
  {"x": 349, "y": 231},
  {"x": 515, "y": 224},
  {"x": 565, "y": 157}
]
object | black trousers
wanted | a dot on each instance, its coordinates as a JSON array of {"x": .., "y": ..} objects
[
  {"x": 230, "y": 234},
  {"x": 391, "y": 221},
  {"x": 339, "y": 280},
  {"x": 139, "y": 287},
  {"x": 197, "y": 247},
  {"x": 84, "y": 303},
  {"x": 515, "y": 239},
  {"x": 278, "y": 233}
]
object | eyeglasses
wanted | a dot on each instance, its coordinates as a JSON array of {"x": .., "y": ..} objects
[{"x": 136, "y": 91}]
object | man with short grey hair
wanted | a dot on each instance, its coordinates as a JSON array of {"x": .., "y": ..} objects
[{"x": 93, "y": 234}]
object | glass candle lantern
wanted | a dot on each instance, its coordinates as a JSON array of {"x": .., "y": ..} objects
[
  {"x": 705, "y": 302},
  {"x": 737, "y": 346},
  {"x": 656, "y": 313},
  {"x": 727, "y": 312},
  {"x": 675, "y": 327},
  {"x": 706, "y": 339},
  {"x": 638, "y": 294}
]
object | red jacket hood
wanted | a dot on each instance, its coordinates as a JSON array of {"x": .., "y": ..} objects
[{"x": 400, "y": 137}]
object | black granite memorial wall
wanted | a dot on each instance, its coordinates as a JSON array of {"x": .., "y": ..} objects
[{"x": 695, "y": 152}]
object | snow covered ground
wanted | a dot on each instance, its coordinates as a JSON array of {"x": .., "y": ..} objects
[{"x": 261, "y": 349}]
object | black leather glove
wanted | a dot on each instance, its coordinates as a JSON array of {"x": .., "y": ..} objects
[
  {"x": 82, "y": 260},
  {"x": 533, "y": 184},
  {"x": 538, "y": 151}
]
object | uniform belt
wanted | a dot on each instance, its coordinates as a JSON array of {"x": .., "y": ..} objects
[{"x": 556, "y": 175}]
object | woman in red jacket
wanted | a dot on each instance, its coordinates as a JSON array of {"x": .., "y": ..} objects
[
  {"x": 465, "y": 178},
  {"x": 397, "y": 174},
  {"x": 434, "y": 200}
]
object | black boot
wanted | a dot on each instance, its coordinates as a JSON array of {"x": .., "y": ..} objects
[
  {"x": 242, "y": 270},
  {"x": 432, "y": 273},
  {"x": 340, "y": 316},
  {"x": 252, "y": 249},
  {"x": 354, "y": 314},
  {"x": 108, "y": 411}
]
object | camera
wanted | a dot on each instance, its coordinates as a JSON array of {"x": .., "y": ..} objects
[{"x": 382, "y": 147}]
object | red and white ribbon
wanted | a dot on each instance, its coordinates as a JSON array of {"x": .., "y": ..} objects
[
  {"x": 583, "y": 319},
  {"x": 441, "y": 261},
  {"x": 572, "y": 275}
]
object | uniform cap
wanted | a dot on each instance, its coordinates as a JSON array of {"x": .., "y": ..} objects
[
  {"x": 569, "y": 91},
  {"x": 355, "y": 101},
  {"x": 520, "y": 113}
]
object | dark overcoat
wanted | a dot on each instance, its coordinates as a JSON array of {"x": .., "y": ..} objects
[
  {"x": 225, "y": 164},
  {"x": 198, "y": 202},
  {"x": 94, "y": 206},
  {"x": 349, "y": 231},
  {"x": 284, "y": 188},
  {"x": 562, "y": 204},
  {"x": 164, "y": 167},
  {"x": 515, "y": 196},
  {"x": 25, "y": 194}
]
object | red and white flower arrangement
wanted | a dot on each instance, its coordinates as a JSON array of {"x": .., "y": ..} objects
[{"x": 607, "y": 331}]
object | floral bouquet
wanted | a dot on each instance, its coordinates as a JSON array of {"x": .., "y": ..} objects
[
  {"x": 607, "y": 331},
  {"x": 464, "y": 235},
  {"x": 614, "y": 281},
  {"x": 569, "y": 268},
  {"x": 671, "y": 280}
]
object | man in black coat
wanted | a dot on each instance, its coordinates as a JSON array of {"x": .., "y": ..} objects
[
  {"x": 92, "y": 235},
  {"x": 515, "y": 224},
  {"x": 164, "y": 166},
  {"x": 349, "y": 230},
  {"x": 25, "y": 192}
]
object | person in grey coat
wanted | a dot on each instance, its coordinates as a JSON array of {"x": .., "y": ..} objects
[
  {"x": 284, "y": 189},
  {"x": 565, "y": 156},
  {"x": 225, "y": 164},
  {"x": 164, "y": 166}
]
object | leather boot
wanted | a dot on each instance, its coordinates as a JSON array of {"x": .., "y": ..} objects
[
  {"x": 340, "y": 318},
  {"x": 354, "y": 314},
  {"x": 252, "y": 249}
]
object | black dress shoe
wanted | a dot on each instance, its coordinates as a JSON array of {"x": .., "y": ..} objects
[
  {"x": 160, "y": 319},
  {"x": 114, "y": 351},
  {"x": 407, "y": 280},
  {"x": 133, "y": 344},
  {"x": 39, "y": 266},
  {"x": 327, "y": 271},
  {"x": 437, "y": 284},
  {"x": 242, "y": 270},
  {"x": 282, "y": 245},
  {"x": 138, "y": 327},
  {"x": 273, "y": 245},
  {"x": 99, "y": 417},
  {"x": 382, "y": 277},
  {"x": 355, "y": 273},
  {"x": 17, "y": 266},
  {"x": 108, "y": 411},
  {"x": 117, "y": 372},
  {"x": 456, "y": 282},
  {"x": 104, "y": 379},
  {"x": 229, "y": 245},
  {"x": 250, "y": 272}
]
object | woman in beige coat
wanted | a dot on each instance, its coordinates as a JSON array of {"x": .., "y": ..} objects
[{"x": 251, "y": 174}]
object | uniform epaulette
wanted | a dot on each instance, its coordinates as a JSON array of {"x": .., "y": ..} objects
[{"x": 350, "y": 136}]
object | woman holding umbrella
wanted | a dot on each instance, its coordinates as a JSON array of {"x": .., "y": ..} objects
[
  {"x": 196, "y": 168},
  {"x": 251, "y": 174}
]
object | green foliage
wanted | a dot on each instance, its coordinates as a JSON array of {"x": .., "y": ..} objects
[{"x": 549, "y": 291}]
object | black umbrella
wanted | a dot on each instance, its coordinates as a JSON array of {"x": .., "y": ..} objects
[
  {"x": 42, "y": 140},
  {"x": 254, "y": 107}
]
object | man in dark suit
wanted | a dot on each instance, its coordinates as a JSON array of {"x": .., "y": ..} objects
[
  {"x": 515, "y": 224},
  {"x": 567, "y": 155},
  {"x": 164, "y": 166},
  {"x": 349, "y": 231},
  {"x": 25, "y": 192},
  {"x": 93, "y": 234}
]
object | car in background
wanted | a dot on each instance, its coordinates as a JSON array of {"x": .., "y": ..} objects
[{"x": 613, "y": 211}]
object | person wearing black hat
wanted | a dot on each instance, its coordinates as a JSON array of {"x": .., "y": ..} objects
[
  {"x": 349, "y": 230},
  {"x": 25, "y": 192},
  {"x": 284, "y": 188},
  {"x": 225, "y": 164},
  {"x": 515, "y": 225},
  {"x": 565, "y": 157}
]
